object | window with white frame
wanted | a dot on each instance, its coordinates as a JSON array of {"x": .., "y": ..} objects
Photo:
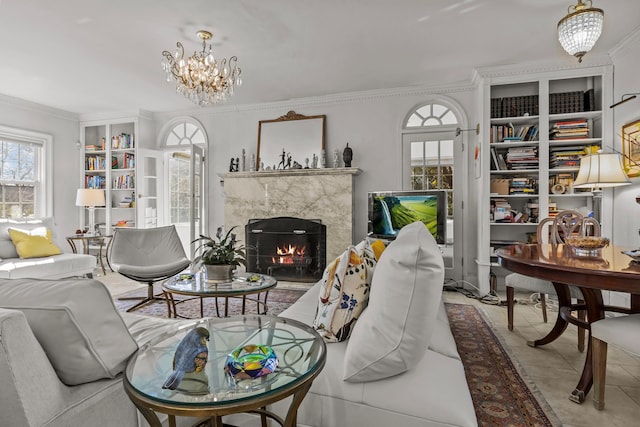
[
  {"x": 180, "y": 137},
  {"x": 432, "y": 152},
  {"x": 23, "y": 192}
]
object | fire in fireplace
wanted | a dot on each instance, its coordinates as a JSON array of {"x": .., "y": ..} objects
[{"x": 287, "y": 248}]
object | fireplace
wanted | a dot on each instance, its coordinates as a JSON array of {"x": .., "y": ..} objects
[{"x": 287, "y": 248}]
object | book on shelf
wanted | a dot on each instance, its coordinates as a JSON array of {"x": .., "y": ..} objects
[
  {"x": 494, "y": 160},
  {"x": 501, "y": 162}
]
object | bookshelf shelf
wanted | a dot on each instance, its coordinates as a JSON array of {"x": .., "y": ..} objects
[
  {"x": 565, "y": 107},
  {"x": 112, "y": 146}
]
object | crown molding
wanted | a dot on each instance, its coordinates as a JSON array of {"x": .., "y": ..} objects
[
  {"x": 116, "y": 116},
  {"x": 539, "y": 67},
  {"x": 340, "y": 98},
  {"x": 34, "y": 107},
  {"x": 626, "y": 44}
]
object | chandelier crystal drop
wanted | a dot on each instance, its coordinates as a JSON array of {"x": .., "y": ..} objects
[
  {"x": 202, "y": 78},
  {"x": 579, "y": 31}
]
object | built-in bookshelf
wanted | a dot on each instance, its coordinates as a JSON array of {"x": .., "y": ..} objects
[
  {"x": 537, "y": 127},
  {"x": 109, "y": 159}
]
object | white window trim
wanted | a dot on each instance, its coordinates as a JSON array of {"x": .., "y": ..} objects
[{"x": 44, "y": 201}]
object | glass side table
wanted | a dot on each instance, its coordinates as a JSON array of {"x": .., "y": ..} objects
[
  {"x": 212, "y": 393},
  {"x": 90, "y": 240},
  {"x": 241, "y": 286}
]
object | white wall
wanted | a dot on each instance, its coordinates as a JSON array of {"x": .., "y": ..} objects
[
  {"x": 64, "y": 127},
  {"x": 626, "y": 211},
  {"x": 370, "y": 122}
]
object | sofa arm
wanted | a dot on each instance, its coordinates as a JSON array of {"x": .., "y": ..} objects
[{"x": 31, "y": 392}]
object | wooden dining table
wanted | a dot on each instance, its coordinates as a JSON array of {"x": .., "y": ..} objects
[{"x": 607, "y": 269}]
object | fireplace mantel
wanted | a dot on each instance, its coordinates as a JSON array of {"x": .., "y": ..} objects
[{"x": 324, "y": 194}]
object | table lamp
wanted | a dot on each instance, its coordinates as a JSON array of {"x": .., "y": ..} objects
[
  {"x": 90, "y": 198},
  {"x": 598, "y": 171}
]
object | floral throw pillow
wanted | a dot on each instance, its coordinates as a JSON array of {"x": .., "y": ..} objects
[{"x": 344, "y": 292}]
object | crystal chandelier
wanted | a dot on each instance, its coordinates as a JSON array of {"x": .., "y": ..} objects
[
  {"x": 580, "y": 29},
  {"x": 202, "y": 78}
]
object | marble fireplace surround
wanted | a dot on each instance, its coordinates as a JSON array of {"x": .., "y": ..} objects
[{"x": 325, "y": 194}]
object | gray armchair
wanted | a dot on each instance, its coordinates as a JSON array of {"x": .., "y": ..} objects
[{"x": 147, "y": 255}]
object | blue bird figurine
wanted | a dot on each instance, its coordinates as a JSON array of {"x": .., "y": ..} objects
[{"x": 191, "y": 355}]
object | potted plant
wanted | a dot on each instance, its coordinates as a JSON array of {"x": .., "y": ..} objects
[{"x": 220, "y": 255}]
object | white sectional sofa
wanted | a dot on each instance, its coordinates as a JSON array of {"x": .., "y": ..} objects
[
  {"x": 49, "y": 267},
  {"x": 56, "y": 368},
  {"x": 71, "y": 378},
  {"x": 431, "y": 392}
]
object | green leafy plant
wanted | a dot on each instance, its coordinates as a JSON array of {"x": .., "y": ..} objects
[{"x": 220, "y": 250}]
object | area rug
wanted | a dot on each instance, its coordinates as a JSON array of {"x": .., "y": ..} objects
[
  {"x": 501, "y": 393},
  {"x": 277, "y": 301}
]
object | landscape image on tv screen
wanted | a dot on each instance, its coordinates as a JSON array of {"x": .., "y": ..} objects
[{"x": 390, "y": 212}]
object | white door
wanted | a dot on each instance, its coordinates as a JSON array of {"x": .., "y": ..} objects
[
  {"x": 196, "y": 222},
  {"x": 433, "y": 161},
  {"x": 150, "y": 171}
]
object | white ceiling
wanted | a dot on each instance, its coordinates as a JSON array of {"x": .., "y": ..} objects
[{"x": 102, "y": 56}]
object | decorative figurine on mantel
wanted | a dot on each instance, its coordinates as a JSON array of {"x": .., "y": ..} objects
[
  {"x": 306, "y": 163},
  {"x": 283, "y": 158},
  {"x": 323, "y": 159},
  {"x": 261, "y": 166},
  {"x": 244, "y": 160},
  {"x": 314, "y": 161},
  {"x": 336, "y": 158},
  {"x": 347, "y": 156},
  {"x": 252, "y": 165},
  {"x": 232, "y": 166},
  {"x": 297, "y": 165}
]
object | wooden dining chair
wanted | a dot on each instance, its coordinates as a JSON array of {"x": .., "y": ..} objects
[
  {"x": 621, "y": 331},
  {"x": 552, "y": 230}
]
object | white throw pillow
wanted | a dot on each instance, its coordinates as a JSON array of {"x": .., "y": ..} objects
[
  {"x": 393, "y": 332},
  {"x": 76, "y": 323}
]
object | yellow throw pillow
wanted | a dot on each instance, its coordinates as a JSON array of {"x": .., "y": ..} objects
[
  {"x": 378, "y": 247},
  {"x": 33, "y": 244}
]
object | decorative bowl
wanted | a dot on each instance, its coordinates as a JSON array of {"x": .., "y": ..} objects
[
  {"x": 251, "y": 361},
  {"x": 588, "y": 245}
]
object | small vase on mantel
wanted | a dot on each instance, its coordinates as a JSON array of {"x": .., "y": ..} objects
[{"x": 219, "y": 273}]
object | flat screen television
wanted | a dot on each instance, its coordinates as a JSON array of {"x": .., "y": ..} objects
[{"x": 389, "y": 211}]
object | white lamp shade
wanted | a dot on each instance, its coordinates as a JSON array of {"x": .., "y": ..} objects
[
  {"x": 601, "y": 170},
  {"x": 90, "y": 197}
]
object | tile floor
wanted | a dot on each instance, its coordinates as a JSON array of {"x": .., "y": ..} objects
[{"x": 555, "y": 368}]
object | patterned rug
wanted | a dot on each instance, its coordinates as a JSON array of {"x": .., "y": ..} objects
[
  {"x": 501, "y": 394},
  {"x": 277, "y": 301}
]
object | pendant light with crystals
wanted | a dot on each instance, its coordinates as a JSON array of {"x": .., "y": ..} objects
[
  {"x": 201, "y": 77},
  {"x": 580, "y": 29}
]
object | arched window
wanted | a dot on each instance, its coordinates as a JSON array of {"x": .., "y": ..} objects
[
  {"x": 185, "y": 133},
  {"x": 431, "y": 115}
]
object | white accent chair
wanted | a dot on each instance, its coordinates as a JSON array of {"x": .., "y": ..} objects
[
  {"x": 552, "y": 230},
  {"x": 622, "y": 332},
  {"x": 147, "y": 255}
]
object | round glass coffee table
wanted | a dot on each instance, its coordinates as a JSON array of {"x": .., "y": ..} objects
[
  {"x": 241, "y": 286},
  {"x": 212, "y": 393}
]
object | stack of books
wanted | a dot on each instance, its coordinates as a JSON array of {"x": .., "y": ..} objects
[
  {"x": 126, "y": 202},
  {"x": 566, "y": 157},
  {"x": 523, "y": 185},
  {"x": 522, "y": 158},
  {"x": 569, "y": 129}
]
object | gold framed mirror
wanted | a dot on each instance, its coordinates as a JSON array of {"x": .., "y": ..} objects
[{"x": 294, "y": 135}]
